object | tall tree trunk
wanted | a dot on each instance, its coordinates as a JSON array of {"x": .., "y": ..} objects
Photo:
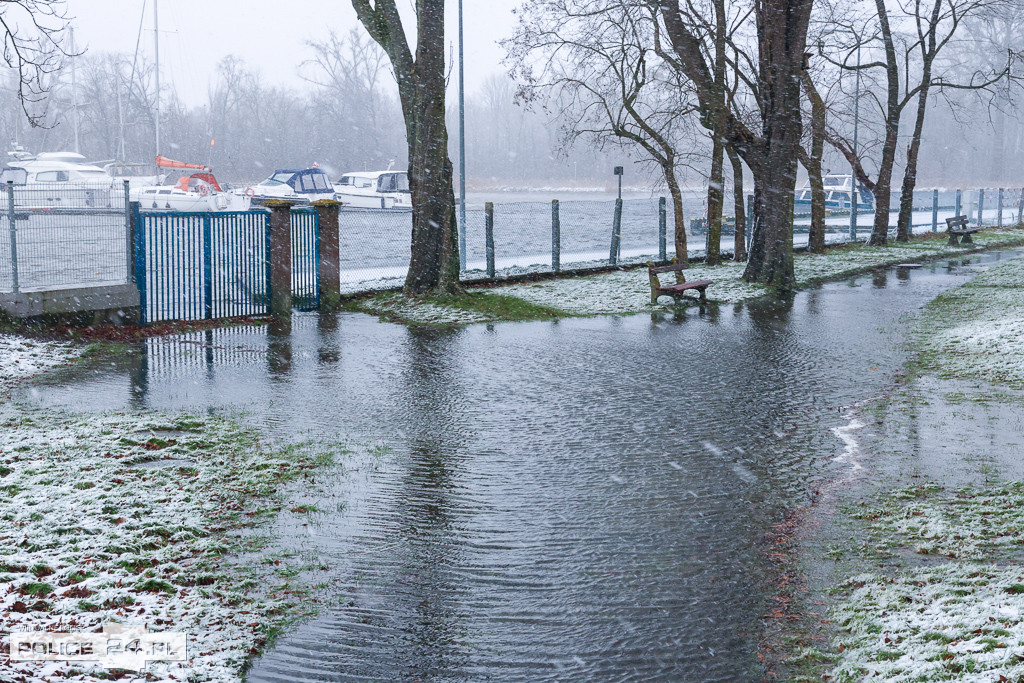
[
  {"x": 812, "y": 162},
  {"x": 782, "y": 34},
  {"x": 716, "y": 200},
  {"x": 719, "y": 121},
  {"x": 677, "y": 213},
  {"x": 739, "y": 248},
  {"x": 883, "y": 187},
  {"x": 910, "y": 173},
  {"x": 434, "y": 266}
]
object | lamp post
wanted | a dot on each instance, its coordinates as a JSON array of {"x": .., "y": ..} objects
[
  {"x": 853, "y": 171},
  {"x": 462, "y": 148}
]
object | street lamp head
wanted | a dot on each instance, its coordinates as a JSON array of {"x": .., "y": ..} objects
[{"x": 618, "y": 170}]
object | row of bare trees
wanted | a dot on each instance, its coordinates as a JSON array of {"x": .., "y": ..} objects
[{"x": 769, "y": 85}]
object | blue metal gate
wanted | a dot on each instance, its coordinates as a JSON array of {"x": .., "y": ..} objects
[
  {"x": 201, "y": 266},
  {"x": 305, "y": 260}
]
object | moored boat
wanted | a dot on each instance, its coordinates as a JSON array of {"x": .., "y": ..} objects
[
  {"x": 197, "y": 192},
  {"x": 388, "y": 190},
  {"x": 838, "y": 188},
  {"x": 301, "y": 185}
]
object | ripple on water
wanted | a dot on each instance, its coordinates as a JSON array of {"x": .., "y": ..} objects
[{"x": 582, "y": 499}]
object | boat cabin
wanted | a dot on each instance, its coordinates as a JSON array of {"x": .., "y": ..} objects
[
  {"x": 376, "y": 181},
  {"x": 196, "y": 181},
  {"x": 301, "y": 180}
]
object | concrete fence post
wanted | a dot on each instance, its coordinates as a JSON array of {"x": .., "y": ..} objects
[
  {"x": 329, "y": 249},
  {"x": 613, "y": 254},
  {"x": 1020, "y": 207},
  {"x": 935, "y": 210},
  {"x": 999, "y": 209},
  {"x": 489, "y": 237},
  {"x": 13, "y": 236},
  {"x": 981, "y": 207},
  {"x": 958, "y": 203},
  {"x": 280, "y": 252},
  {"x": 662, "y": 230},
  {"x": 556, "y": 237}
]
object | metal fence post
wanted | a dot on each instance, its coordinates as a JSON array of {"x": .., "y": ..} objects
[
  {"x": 1020, "y": 208},
  {"x": 935, "y": 210},
  {"x": 613, "y": 254},
  {"x": 129, "y": 237},
  {"x": 981, "y": 206},
  {"x": 958, "y": 203},
  {"x": 208, "y": 267},
  {"x": 13, "y": 235},
  {"x": 662, "y": 230},
  {"x": 139, "y": 232},
  {"x": 489, "y": 236},
  {"x": 999, "y": 211},
  {"x": 556, "y": 237}
]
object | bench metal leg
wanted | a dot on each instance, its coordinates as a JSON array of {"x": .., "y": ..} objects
[
  {"x": 953, "y": 242},
  {"x": 703, "y": 295},
  {"x": 966, "y": 239},
  {"x": 654, "y": 297}
]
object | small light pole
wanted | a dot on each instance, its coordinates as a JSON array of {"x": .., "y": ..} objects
[{"x": 619, "y": 171}]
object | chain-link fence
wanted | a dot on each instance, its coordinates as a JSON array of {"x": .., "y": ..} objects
[
  {"x": 58, "y": 238},
  {"x": 62, "y": 235}
]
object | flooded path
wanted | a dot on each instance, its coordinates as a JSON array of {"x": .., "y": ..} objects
[{"x": 571, "y": 500}]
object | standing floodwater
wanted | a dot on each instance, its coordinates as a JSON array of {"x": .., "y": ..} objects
[{"x": 582, "y": 499}]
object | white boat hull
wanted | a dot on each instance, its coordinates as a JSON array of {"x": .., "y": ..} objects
[
  {"x": 397, "y": 201},
  {"x": 165, "y": 199}
]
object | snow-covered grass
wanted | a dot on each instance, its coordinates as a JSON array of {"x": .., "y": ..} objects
[
  {"x": 21, "y": 358},
  {"x": 131, "y": 518},
  {"x": 621, "y": 292},
  {"x": 962, "y": 618},
  {"x": 627, "y": 291},
  {"x": 978, "y": 330}
]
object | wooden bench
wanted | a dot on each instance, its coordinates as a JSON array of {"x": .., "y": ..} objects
[
  {"x": 675, "y": 291},
  {"x": 957, "y": 227}
]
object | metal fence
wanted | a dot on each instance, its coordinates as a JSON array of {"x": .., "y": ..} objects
[
  {"x": 63, "y": 235},
  {"x": 200, "y": 266},
  {"x": 215, "y": 265}
]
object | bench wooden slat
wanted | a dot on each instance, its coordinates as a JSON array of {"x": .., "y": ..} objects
[
  {"x": 667, "y": 269},
  {"x": 696, "y": 284}
]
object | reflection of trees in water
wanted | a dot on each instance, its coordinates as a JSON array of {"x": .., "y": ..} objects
[{"x": 424, "y": 587}]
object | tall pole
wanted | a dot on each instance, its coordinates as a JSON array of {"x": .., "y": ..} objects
[
  {"x": 462, "y": 148},
  {"x": 853, "y": 171},
  {"x": 74, "y": 89},
  {"x": 156, "y": 54}
]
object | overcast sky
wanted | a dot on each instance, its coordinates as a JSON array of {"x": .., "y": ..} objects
[{"x": 270, "y": 35}]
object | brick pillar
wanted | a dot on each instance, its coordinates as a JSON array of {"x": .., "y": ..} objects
[
  {"x": 330, "y": 253},
  {"x": 280, "y": 257}
]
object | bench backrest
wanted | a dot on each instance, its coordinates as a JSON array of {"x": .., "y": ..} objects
[
  {"x": 666, "y": 269},
  {"x": 957, "y": 222}
]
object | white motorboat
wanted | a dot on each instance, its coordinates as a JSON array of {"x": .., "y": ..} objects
[
  {"x": 198, "y": 192},
  {"x": 300, "y": 185},
  {"x": 388, "y": 190},
  {"x": 57, "y": 180}
]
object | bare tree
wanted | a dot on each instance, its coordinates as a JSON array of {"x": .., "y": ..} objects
[
  {"x": 594, "y": 63},
  {"x": 771, "y": 153},
  {"x": 912, "y": 36},
  {"x": 434, "y": 266},
  {"x": 34, "y": 34}
]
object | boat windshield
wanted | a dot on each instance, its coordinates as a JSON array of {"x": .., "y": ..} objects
[
  {"x": 316, "y": 182},
  {"x": 393, "y": 182},
  {"x": 278, "y": 179}
]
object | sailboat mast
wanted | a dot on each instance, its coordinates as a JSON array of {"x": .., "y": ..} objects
[{"x": 156, "y": 53}]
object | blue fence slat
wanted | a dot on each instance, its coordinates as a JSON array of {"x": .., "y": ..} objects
[{"x": 201, "y": 266}]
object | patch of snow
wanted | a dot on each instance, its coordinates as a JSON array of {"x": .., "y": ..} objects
[{"x": 21, "y": 358}]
